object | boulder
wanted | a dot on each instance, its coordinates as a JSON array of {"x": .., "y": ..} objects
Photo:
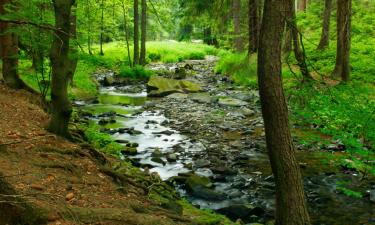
[
  {"x": 201, "y": 97},
  {"x": 244, "y": 212},
  {"x": 161, "y": 87},
  {"x": 228, "y": 101}
]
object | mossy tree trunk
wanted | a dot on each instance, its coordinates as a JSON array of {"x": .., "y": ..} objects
[
  {"x": 253, "y": 25},
  {"x": 59, "y": 55},
  {"x": 297, "y": 44},
  {"x": 142, "y": 59},
  {"x": 238, "y": 45},
  {"x": 136, "y": 33},
  {"x": 324, "y": 39},
  {"x": 342, "y": 66},
  {"x": 291, "y": 208},
  {"x": 9, "y": 51}
]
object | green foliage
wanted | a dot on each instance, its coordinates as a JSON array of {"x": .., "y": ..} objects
[
  {"x": 239, "y": 66},
  {"x": 205, "y": 216},
  {"x": 102, "y": 141},
  {"x": 172, "y": 51},
  {"x": 341, "y": 186},
  {"x": 137, "y": 72}
]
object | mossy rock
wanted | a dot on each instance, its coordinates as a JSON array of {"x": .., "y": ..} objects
[
  {"x": 129, "y": 150},
  {"x": 160, "y": 87}
]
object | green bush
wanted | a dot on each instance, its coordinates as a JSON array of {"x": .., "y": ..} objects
[{"x": 137, "y": 72}]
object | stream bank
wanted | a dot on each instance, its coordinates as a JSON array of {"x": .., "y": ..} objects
[{"x": 210, "y": 145}]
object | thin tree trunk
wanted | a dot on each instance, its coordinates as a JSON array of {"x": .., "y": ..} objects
[
  {"x": 136, "y": 33},
  {"x": 144, "y": 33},
  {"x": 298, "y": 52},
  {"x": 342, "y": 67},
  {"x": 88, "y": 13},
  {"x": 102, "y": 28},
  {"x": 324, "y": 39},
  {"x": 237, "y": 25},
  {"x": 287, "y": 47},
  {"x": 291, "y": 208},
  {"x": 61, "y": 107},
  {"x": 253, "y": 26},
  {"x": 126, "y": 33},
  {"x": 73, "y": 60},
  {"x": 9, "y": 52}
]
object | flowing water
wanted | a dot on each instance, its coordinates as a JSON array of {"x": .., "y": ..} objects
[{"x": 170, "y": 153}]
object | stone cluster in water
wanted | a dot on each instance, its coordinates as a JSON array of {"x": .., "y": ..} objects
[{"x": 210, "y": 144}]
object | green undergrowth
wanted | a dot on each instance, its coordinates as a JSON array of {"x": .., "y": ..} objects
[
  {"x": 345, "y": 112},
  {"x": 239, "y": 66},
  {"x": 101, "y": 141},
  {"x": 137, "y": 72}
]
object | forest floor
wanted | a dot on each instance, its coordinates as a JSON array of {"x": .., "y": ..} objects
[{"x": 47, "y": 179}]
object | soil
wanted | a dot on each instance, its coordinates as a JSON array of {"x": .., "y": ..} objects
[{"x": 62, "y": 182}]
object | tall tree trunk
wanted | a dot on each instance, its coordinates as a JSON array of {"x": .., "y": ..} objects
[
  {"x": 101, "y": 27},
  {"x": 298, "y": 52},
  {"x": 287, "y": 47},
  {"x": 324, "y": 39},
  {"x": 61, "y": 107},
  {"x": 291, "y": 208},
  {"x": 88, "y": 15},
  {"x": 136, "y": 33},
  {"x": 253, "y": 26},
  {"x": 73, "y": 59},
  {"x": 126, "y": 33},
  {"x": 142, "y": 60},
  {"x": 342, "y": 67},
  {"x": 237, "y": 25},
  {"x": 302, "y": 5},
  {"x": 9, "y": 52}
]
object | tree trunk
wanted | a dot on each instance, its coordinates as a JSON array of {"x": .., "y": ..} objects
[
  {"x": 237, "y": 25},
  {"x": 291, "y": 208},
  {"x": 73, "y": 60},
  {"x": 342, "y": 67},
  {"x": 102, "y": 28},
  {"x": 302, "y": 5},
  {"x": 324, "y": 39},
  {"x": 287, "y": 48},
  {"x": 61, "y": 107},
  {"x": 136, "y": 33},
  {"x": 253, "y": 26},
  {"x": 126, "y": 33},
  {"x": 142, "y": 60},
  {"x": 298, "y": 52},
  {"x": 88, "y": 15},
  {"x": 9, "y": 52}
]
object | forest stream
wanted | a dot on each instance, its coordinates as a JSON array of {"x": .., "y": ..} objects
[{"x": 211, "y": 147}]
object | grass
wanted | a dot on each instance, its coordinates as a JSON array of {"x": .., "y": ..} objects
[{"x": 116, "y": 58}]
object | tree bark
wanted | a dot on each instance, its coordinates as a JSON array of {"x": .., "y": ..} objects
[
  {"x": 253, "y": 26},
  {"x": 237, "y": 25},
  {"x": 136, "y": 33},
  {"x": 61, "y": 107},
  {"x": 9, "y": 52},
  {"x": 324, "y": 39},
  {"x": 291, "y": 208},
  {"x": 342, "y": 67},
  {"x": 302, "y": 5},
  {"x": 102, "y": 28},
  {"x": 298, "y": 52},
  {"x": 73, "y": 60},
  {"x": 142, "y": 59},
  {"x": 126, "y": 32}
]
